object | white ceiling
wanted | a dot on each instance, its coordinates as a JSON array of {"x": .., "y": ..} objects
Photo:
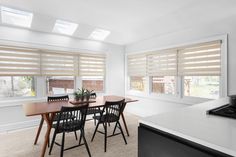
[{"x": 128, "y": 20}]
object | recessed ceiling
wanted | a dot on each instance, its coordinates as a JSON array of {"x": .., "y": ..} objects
[{"x": 127, "y": 20}]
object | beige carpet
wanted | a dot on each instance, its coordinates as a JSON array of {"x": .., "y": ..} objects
[{"x": 20, "y": 143}]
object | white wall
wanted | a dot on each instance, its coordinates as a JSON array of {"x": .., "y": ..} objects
[
  {"x": 188, "y": 35},
  {"x": 13, "y": 117}
]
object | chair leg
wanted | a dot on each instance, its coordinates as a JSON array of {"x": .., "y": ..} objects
[
  {"x": 62, "y": 144},
  {"x": 114, "y": 129},
  {"x": 94, "y": 119},
  {"x": 39, "y": 130},
  {"x": 105, "y": 137},
  {"x": 80, "y": 137},
  {"x": 53, "y": 141},
  {"x": 85, "y": 142},
  {"x": 122, "y": 132},
  {"x": 76, "y": 137},
  {"x": 95, "y": 132}
]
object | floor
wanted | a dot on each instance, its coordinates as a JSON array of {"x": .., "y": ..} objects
[{"x": 20, "y": 143}]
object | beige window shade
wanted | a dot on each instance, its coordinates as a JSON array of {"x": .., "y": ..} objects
[
  {"x": 163, "y": 63},
  {"x": 92, "y": 65},
  {"x": 19, "y": 61},
  {"x": 137, "y": 65},
  {"x": 58, "y": 64},
  {"x": 200, "y": 60}
]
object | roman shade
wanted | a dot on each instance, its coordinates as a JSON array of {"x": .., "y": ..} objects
[
  {"x": 19, "y": 61},
  {"x": 200, "y": 60},
  {"x": 162, "y": 63},
  {"x": 58, "y": 64},
  {"x": 92, "y": 65},
  {"x": 136, "y": 65}
]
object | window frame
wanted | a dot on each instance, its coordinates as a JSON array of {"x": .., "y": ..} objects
[{"x": 179, "y": 96}]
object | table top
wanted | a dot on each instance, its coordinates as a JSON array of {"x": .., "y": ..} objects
[
  {"x": 38, "y": 108},
  {"x": 192, "y": 123}
]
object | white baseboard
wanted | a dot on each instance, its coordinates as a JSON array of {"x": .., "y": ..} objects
[{"x": 19, "y": 125}]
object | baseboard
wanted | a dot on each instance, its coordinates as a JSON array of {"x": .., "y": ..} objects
[{"x": 19, "y": 125}]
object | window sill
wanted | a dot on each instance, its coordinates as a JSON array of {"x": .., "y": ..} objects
[
  {"x": 168, "y": 98},
  {"x": 19, "y": 101}
]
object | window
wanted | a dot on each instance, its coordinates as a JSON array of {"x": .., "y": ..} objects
[
  {"x": 92, "y": 71},
  {"x": 93, "y": 83},
  {"x": 16, "y": 17},
  {"x": 65, "y": 27},
  {"x": 17, "y": 86},
  {"x": 137, "y": 72},
  {"x": 202, "y": 86},
  {"x": 164, "y": 84},
  {"x": 200, "y": 66},
  {"x": 189, "y": 71},
  {"x": 137, "y": 83},
  {"x": 60, "y": 85}
]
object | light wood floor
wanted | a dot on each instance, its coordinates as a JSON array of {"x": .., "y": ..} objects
[{"x": 20, "y": 143}]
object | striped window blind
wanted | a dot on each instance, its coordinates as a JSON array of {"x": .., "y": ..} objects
[
  {"x": 58, "y": 64},
  {"x": 200, "y": 60},
  {"x": 92, "y": 65},
  {"x": 137, "y": 65},
  {"x": 19, "y": 61},
  {"x": 163, "y": 63}
]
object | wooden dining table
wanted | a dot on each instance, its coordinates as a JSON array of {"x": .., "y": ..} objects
[{"x": 47, "y": 110}]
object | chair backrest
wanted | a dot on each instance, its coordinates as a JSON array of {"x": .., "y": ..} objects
[
  {"x": 79, "y": 117},
  {"x": 113, "y": 110},
  {"x": 58, "y": 98},
  {"x": 93, "y": 95}
]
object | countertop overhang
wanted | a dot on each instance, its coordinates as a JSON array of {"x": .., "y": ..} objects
[{"x": 193, "y": 124}]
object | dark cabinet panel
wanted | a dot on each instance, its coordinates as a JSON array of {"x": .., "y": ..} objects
[{"x": 155, "y": 143}]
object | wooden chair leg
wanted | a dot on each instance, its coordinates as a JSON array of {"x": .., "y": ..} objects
[
  {"x": 122, "y": 132},
  {"x": 39, "y": 130},
  {"x": 105, "y": 137},
  {"x": 85, "y": 142},
  {"x": 53, "y": 141},
  {"x": 114, "y": 129},
  {"x": 62, "y": 143},
  {"x": 126, "y": 128},
  {"x": 95, "y": 132}
]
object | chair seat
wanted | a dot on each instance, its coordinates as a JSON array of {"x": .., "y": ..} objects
[
  {"x": 107, "y": 118},
  {"x": 93, "y": 111},
  {"x": 69, "y": 126},
  {"x": 63, "y": 117}
]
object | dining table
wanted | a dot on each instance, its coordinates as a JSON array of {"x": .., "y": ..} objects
[{"x": 48, "y": 110}]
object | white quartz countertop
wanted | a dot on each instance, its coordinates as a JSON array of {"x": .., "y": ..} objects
[{"x": 192, "y": 123}]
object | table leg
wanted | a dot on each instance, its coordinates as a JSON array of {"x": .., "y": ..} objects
[
  {"x": 39, "y": 130},
  {"x": 126, "y": 128},
  {"x": 49, "y": 120}
]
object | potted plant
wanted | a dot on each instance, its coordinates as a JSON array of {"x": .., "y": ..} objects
[
  {"x": 88, "y": 93},
  {"x": 80, "y": 94}
]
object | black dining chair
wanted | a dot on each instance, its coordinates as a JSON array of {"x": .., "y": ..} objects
[
  {"x": 66, "y": 125},
  {"x": 95, "y": 110},
  {"x": 53, "y": 99},
  {"x": 110, "y": 114}
]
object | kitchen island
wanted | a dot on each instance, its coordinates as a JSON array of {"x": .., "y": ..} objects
[{"x": 188, "y": 132}]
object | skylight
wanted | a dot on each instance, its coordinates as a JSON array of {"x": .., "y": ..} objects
[
  {"x": 16, "y": 17},
  {"x": 65, "y": 27},
  {"x": 99, "y": 34}
]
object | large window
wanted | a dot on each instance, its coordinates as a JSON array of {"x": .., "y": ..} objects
[
  {"x": 189, "y": 71},
  {"x": 164, "y": 84},
  {"x": 17, "y": 86},
  {"x": 60, "y": 85}
]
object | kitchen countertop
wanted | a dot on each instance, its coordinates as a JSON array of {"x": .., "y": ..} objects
[{"x": 192, "y": 123}]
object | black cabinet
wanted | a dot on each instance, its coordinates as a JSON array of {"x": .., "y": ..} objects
[{"x": 156, "y": 143}]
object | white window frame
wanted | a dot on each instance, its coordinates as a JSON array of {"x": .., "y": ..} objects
[{"x": 179, "y": 96}]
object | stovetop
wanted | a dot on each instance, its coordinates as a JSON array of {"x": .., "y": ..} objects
[{"x": 224, "y": 111}]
